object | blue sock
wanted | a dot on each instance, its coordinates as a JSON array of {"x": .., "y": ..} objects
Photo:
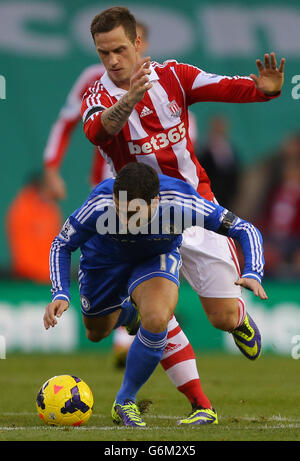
[
  {"x": 143, "y": 357},
  {"x": 127, "y": 315}
]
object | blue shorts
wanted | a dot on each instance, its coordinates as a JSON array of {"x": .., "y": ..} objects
[{"x": 107, "y": 289}]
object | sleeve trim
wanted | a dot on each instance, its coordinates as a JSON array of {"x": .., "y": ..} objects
[
  {"x": 251, "y": 276},
  {"x": 61, "y": 296},
  {"x": 90, "y": 111}
]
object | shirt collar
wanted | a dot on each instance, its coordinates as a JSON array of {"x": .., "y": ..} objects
[{"x": 114, "y": 90}]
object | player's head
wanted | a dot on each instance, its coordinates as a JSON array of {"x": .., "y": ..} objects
[
  {"x": 115, "y": 35},
  {"x": 136, "y": 190}
]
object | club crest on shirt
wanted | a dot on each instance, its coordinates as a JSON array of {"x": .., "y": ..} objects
[{"x": 174, "y": 108}]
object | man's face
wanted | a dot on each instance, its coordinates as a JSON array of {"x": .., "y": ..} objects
[
  {"x": 118, "y": 55},
  {"x": 135, "y": 213}
]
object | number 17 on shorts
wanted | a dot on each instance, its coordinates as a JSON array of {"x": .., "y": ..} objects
[
  {"x": 166, "y": 265},
  {"x": 170, "y": 264}
]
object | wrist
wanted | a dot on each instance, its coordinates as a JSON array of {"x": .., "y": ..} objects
[
  {"x": 272, "y": 93},
  {"x": 130, "y": 99},
  {"x": 62, "y": 297},
  {"x": 51, "y": 170},
  {"x": 251, "y": 275}
]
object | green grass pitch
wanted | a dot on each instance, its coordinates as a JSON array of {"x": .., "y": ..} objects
[{"x": 255, "y": 401}]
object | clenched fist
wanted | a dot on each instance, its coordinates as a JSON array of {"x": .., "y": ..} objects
[{"x": 54, "y": 310}]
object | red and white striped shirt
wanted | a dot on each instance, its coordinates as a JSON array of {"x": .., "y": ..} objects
[
  {"x": 157, "y": 131},
  {"x": 69, "y": 118}
]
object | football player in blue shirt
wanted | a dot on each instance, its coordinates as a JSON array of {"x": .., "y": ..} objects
[{"x": 129, "y": 231}]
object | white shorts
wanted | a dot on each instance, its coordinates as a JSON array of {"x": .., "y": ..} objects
[{"x": 210, "y": 263}]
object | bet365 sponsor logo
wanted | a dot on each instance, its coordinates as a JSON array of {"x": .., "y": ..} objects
[
  {"x": 2, "y": 87},
  {"x": 159, "y": 141}
]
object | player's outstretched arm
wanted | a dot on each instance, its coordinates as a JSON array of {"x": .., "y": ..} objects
[
  {"x": 215, "y": 218},
  {"x": 252, "y": 285},
  {"x": 53, "y": 311}
]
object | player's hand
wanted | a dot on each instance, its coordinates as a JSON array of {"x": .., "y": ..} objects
[
  {"x": 55, "y": 184},
  {"x": 54, "y": 310},
  {"x": 253, "y": 285},
  {"x": 139, "y": 82},
  {"x": 270, "y": 79}
]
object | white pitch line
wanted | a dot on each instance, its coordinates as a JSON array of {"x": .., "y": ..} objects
[
  {"x": 257, "y": 419},
  {"x": 41, "y": 428},
  {"x": 111, "y": 428},
  {"x": 77, "y": 428},
  {"x": 94, "y": 415}
]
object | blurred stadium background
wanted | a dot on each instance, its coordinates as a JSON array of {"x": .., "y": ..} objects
[{"x": 45, "y": 45}]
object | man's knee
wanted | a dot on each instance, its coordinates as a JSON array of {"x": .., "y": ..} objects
[
  {"x": 100, "y": 327},
  {"x": 95, "y": 336},
  {"x": 156, "y": 320},
  {"x": 156, "y": 299}
]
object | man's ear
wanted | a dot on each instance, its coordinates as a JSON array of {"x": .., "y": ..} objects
[
  {"x": 138, "y": 44},
  {"x": 155, "y": 202}
]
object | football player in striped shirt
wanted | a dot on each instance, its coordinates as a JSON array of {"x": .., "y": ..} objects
[
  {"x": 69, "y": 118},
  {"x": 137, "y": 112},
  {"x": 129, "y": 231}
]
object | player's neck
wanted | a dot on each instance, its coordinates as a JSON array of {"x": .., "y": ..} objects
[{"x": 123, "y": 85}]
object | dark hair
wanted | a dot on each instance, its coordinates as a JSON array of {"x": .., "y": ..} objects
[
  {"x": 139, "y": 180},
  {"x": 114, "y": 17}
]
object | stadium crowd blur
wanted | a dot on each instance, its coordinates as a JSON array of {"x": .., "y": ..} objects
[
  {"x": 33, "y": 220},
  {"x": 266, "y": 193},
  {"x": 276, "y": 208}
]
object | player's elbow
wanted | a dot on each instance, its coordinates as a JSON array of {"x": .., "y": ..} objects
[
  {"x": 91, "y": 134},
  {"x": 95, "y": 132}
]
